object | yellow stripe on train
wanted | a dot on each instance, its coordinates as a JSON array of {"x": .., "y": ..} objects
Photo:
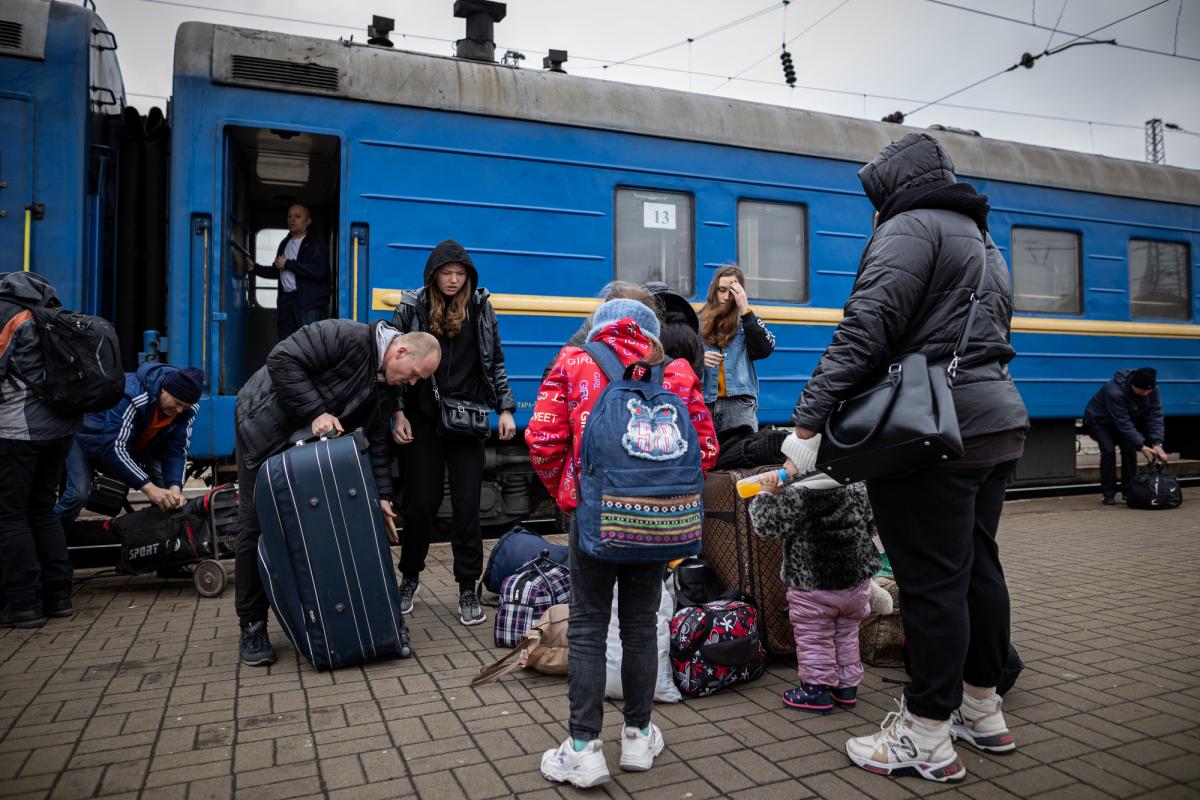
[{"x": 533, "y": 305}]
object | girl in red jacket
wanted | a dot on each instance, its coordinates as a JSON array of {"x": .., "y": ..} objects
[{"x": 630, "y": 327}]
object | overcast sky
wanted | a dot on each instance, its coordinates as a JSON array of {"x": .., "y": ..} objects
[{"x": 863, "y": 58}]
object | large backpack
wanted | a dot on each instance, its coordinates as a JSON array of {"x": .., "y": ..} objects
[
  {"x": 640, "y": 481},
  {"x": 83, "y": 370}
]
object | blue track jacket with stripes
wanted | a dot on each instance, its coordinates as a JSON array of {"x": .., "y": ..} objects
[{"x": 107, "y": 435}]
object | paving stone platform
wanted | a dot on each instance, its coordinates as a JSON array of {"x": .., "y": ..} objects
[{"x": 141, "y": 695}]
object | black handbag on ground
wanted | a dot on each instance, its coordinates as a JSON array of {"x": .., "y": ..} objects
[
  {"x": 461, "y": 418},
  {"x": 902, "y": 422},
  {"x": 1153, "y": 488}
]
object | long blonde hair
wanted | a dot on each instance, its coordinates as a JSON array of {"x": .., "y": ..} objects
[
  {"x": 719, "y": 325},
  {"x": 446, "y": 319}
]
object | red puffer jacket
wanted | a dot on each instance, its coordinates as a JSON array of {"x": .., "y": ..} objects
[{"x": 571, "y": 389}]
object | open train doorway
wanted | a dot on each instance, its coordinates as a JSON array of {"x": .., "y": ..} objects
[{"x": 268, "y": 171}]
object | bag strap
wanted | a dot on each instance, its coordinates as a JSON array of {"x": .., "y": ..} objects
[
  {"x": 960, "y": 347},
  {"x": 606, "y": 358},
  {"x": 507, "y": 663},
  {"x": 895, "y": 374}
]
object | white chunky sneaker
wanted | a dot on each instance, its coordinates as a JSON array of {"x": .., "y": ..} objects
[
  {"x": 638, "y": 750},
  {"x": 981, "y": 723},
  {"x": 904, "y": 746},
  {"x": 583, "y": 769}
]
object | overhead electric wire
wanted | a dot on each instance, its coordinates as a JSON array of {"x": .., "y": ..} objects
[
  {"x": 1017, "y": 21},
  {"x": 1075, "y": 41}
]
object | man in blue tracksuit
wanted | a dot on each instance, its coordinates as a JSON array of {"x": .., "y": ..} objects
[
  {"x": 142, "y": 440},
  {"x": 1125, "y": 413}
]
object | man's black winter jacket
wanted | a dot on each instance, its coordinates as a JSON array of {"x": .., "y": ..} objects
[{"x": 331, "y": 366}]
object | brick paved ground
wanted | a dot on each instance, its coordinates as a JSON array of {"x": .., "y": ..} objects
[{"x": 141, "y": 694}]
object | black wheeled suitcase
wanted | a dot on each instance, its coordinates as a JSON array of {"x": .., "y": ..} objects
[{"x": 324, "y": 557}]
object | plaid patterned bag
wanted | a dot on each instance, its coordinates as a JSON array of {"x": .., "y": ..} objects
[{"x": 526, "y": 594}]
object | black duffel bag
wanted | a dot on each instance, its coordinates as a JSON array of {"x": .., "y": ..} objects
[{"x": 1153, "y": 488}]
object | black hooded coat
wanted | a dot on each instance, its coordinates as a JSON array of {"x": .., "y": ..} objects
[
  {"x": 413, "y": 315},
  {"x": 912, "y": 290}
]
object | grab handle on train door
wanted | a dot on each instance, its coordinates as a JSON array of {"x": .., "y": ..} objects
[{"x": 358, "y": 266}]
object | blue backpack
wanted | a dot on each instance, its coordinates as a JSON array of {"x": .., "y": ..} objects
[{"x": 640, "y": 483}]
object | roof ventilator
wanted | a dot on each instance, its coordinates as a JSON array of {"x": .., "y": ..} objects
[
  {"x": 285, "y": 73},
  {"x": 10, "y": 34},
  {"x": 481, "y": 17}
]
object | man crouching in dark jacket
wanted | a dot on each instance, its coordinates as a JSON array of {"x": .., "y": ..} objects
[
  {"x": 326, "y": 378},
  {"x": 1125, "y": 413}
]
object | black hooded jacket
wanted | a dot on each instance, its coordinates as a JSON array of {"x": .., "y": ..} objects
[
  {"x": 413, "y": 315},
  {"x": 331, "y": 366},
  {"x": 912, "y": 290}
]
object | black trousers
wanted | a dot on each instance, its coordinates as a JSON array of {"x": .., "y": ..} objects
[
  {"x": 938, "y": 526},
  {"x": 423, "y": 463},
  {"x": 250, "y": 599},
  {"x": 290, "y": 317},
  {"x": 1106, "y": 437},
  {"x": 33, "y": 549}
]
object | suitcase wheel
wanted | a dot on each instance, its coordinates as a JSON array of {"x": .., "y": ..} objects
[{"x": 210, "y": 578}]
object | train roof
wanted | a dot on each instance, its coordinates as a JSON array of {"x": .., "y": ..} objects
[{"x": 285, "y": 62}]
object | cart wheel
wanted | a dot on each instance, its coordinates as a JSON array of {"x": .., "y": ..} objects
[{"x": 210, "y": 578}]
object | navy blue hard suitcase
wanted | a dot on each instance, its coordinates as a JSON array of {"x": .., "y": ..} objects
[{"x": 324, "y": 557}]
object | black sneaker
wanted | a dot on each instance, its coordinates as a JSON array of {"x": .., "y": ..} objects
[
  {"x": 469, "y": 610},
  {"x": 1109, "y": 500},
  {"x": 256, "y": 645},
  {"x": 409, "y": 588},
  {"x": 11, "y": 618}
]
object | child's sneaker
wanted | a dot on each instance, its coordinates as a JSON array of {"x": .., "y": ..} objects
[
  {"x": 845, "y": 696},
  {"x": 638, "y": 750},
  {"x": 582, "y": 768},
  {"x": 812, "y": 697},
  {"x": 904, "y": 746},
  {"x": 981, "y": 723}
]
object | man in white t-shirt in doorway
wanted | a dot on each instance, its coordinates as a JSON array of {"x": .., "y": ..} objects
[{"x": 302, "y": 269}]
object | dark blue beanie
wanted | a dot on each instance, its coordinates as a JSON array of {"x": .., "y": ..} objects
[{"x": 185, "y": 384}]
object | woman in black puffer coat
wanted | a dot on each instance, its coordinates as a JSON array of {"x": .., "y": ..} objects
[
  {"x": 454, "y": 309},
  {"x": 938, "y": 524}
]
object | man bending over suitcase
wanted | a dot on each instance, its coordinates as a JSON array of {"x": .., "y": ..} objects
[{"x": 326, "y": 378}]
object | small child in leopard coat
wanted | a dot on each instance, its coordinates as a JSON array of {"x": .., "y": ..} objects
[{"x": 828, "y": 560}]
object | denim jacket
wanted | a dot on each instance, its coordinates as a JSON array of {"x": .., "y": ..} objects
[{"x": 751, "y": 342}]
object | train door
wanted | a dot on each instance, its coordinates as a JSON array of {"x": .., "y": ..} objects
[
  {"x": 266, "y": 172},
  {"x": 16, "y": 183}
]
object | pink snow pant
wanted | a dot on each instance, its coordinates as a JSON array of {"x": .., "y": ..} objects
[{"x": 826, "y": 627}]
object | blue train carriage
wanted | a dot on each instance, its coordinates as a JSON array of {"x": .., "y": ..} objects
[
  {"x": 60, "y": 87},
  {"x": 82, "y": 176},
  {"x": 558, "y": 183}
]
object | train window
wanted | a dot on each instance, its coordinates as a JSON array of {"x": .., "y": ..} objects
[
  {"x": 1158, "y": 280},
  {"x": 771, "y": 250},
  {"x": 1045, "y": 267},
  {"x": 654, "y": 238},
  {"x": 266, "y": 246}
]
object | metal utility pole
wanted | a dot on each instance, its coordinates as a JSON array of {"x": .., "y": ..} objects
[{"x": 1156, "y": 149}]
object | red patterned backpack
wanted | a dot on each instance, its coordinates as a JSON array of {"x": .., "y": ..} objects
[{"x": 714, "y": 646}]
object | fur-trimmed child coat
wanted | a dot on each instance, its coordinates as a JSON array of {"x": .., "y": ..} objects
[{"x": 827, "y": 534}]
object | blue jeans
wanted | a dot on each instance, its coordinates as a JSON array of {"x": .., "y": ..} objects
[
  {"x": 731, "y": 412},
  {"x": 79, "y": 471},
  {"x": 639, "y": 592}
]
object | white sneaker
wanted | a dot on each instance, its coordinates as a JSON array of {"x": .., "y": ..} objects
[
  {"x": 584, "y": 768},
  {"x": 900, "y": 749},
  {"x": 638, "y": 750},
  {"x": 981, "y": 723}
]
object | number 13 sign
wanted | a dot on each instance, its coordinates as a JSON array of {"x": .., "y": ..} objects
[{"x": 658, "y": 215}]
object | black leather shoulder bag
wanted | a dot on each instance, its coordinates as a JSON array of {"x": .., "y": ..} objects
[{"x": 901, "y": 422}]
